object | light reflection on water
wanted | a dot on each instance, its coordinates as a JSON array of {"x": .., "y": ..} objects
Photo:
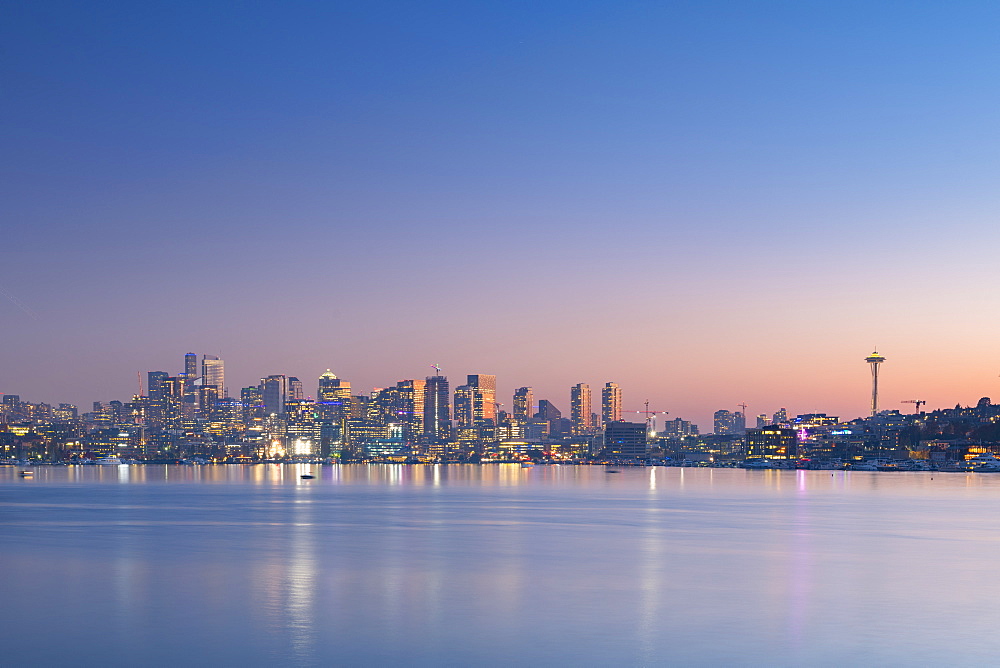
[{"x": 495, "y": 565}]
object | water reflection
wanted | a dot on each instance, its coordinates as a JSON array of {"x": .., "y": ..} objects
[{"x": 388, "y": 564}]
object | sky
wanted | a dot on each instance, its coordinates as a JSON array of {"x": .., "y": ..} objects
[{"x": 708, "y": 203}]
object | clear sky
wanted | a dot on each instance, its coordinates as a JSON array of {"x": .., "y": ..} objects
[{"x": 706, "y": 202}]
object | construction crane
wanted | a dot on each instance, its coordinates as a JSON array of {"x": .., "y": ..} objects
[
  {"x": 918, "y": 402},
  {"x": 650, "y": 415},
  {"x": 744, "y": 407}
]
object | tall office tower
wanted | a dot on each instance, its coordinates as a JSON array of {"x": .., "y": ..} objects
[
  {"x": 780, "y": 416},
  {"x": 333, "y": 397},
  {"x": 580, "y": 409},
  {"x": 191, "y": 365},
  {"x": 302, "y": 431},
  {"x": 383, "y": 408},
  {"x": 252, "y": 399},
  {"x": 739, "y": 423},
  {"x": 295, "y": 389},
  {"x": 154, "y": 384},
  {"x": 485, "y": 407},
  {"x": 724, "y": 422},
  {"x": 156, "y": 408},
  {"x": 274, "y": 390},
  {"x": 524, "y": 400},
  {"x": 437, "y": 409},
  {"x": 410, "y": 408},
  {"x": 173, "y": 389},
  {"x": 611, "y": 403},
  {"x": 213, "y": 373},
  {"x": 359, "y": 406},
  {"x": 208, "y": 397},
  {"x": 464, "y": 415},
  {"x": 762, "y": 421}
]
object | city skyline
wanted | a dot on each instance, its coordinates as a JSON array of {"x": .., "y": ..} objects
[
  {"x": 202, "y": 365},
  {"x": 708, "y": 205}
]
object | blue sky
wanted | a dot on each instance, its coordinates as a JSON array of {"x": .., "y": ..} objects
[{"x": 667, "y": 195}]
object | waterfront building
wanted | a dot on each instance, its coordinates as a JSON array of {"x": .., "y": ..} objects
[
  {"x": 772, "y": 442},
  {"x": 625, "y": 439},
  {"x": 611, "y": 403}
]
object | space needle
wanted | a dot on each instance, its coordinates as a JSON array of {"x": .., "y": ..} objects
[{"x": 874, "y": 359}]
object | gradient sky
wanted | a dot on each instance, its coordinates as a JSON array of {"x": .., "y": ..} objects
[{"x": 706, "y": 202}]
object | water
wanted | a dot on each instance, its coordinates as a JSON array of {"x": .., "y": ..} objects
[{"x": 496, "y": 566}]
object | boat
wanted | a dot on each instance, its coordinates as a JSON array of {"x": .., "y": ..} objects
[
  {"x": 612, "y": 471},
  {"x": 864, "y": 466},
  {"x": 756, "y": 463},
  {"x": 27, "y": 474},
  {"x": 307, "y": 476},
  {"x": 527, "y": 465},
  {"x": 985, "y": 463},
  {"x": 108, "y": 461}
]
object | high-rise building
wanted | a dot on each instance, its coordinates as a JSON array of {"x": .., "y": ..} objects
[
  {"x": 437, "y": 409},
  {"x": 762, "y": 421},
  {"x": 724, "y": 423},
  {"x": 780, "y": 416},
  {"x": 213, "y": 373},
  {"x": 154, "y": 384},
  {"x": 580, "y": 409},
  {"x": 475, "y": 402},
  {"x": 678, "y": 428},
  {"x": 274, "y": 391},
  {"x": 410, "y": 408},
  {"x": 295, "y": 390},
  {"x": 333, "y": 397},
  {"x": 155, "y": 411},
  {"x": 252, "y": 400},
  {"x": 485, "y": 407},
  {"x": 463, "y": 407},
  {"x": 208, "y": 397},
  {"x": 611, "y": 403},
  {"x": 739, "y": 423},
  {"x": 191, "y": 366},
  {"x": 524, "y": 399},
  {"x": 547, "y": 411}
]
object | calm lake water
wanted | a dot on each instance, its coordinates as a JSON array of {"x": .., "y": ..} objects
[{"x": 496, "y": 565}]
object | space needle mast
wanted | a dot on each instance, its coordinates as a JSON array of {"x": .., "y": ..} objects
[{"x": 874, "y": 360}]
